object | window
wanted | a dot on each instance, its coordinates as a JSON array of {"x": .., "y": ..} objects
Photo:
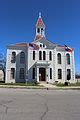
[
  {"x": 22, "y": 57},
  {"x": 33, "y": 55},
  {"x": 21, "y": 73},
  {"x": 50, "y": 55},
  {"x": 38, "y": 30},
  {"x": 40, "y": 45},
  {"x": 68, "y": 74},
  {"x": 59, "y": 58},
  {"x": 41, "y": 29},
  {"x": 13, "y": 57},
  {"x": 59, "y": 74},
  {"x": 44, "y": 55},
  {"x": 50, "y": 73},
  {"x": 12, "y": 73},
  {"x": 40, "y": 55},
  {"x": 68, "y": 58},
  {"x": 33, "y": 73}
]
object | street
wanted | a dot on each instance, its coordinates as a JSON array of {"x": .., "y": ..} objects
[{"x": 35, "y": 104}]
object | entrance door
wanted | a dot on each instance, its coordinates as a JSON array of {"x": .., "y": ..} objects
[{"x": 42, "y": 74}]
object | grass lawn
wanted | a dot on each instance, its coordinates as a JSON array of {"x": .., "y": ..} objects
[
  {"x": 37, "y": 84},
  {"x": 21, "y": 84},
  {"x": 70, "y": 84}
]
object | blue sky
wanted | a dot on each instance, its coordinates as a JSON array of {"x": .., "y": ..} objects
[{"x": 61, "y": 17}]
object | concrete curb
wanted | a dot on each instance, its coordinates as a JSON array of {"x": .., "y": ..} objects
[{"x": 40, "y": 87}]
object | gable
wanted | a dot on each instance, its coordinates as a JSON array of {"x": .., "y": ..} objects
[{"x": 48, "y": 44}]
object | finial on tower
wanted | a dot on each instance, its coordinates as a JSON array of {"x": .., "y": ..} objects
[{"x": 39, "y": 14}]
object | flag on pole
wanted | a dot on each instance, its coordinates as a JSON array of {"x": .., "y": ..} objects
[
  {"x": 68, "y": 48},
  {"x": 33, "y": 46}
]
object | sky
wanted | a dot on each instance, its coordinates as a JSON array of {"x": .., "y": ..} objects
[{"x": 61, "y": 17}]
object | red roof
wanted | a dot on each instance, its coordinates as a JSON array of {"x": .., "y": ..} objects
[
  {"x": 40, "y": 22},
  {"x": 21, "y": 44},
  {"x": 38, "y": 37}
]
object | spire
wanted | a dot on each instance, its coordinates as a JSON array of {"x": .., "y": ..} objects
[
  {"x": 40, "y": 21},
  {"x": 40, "y": 28}
]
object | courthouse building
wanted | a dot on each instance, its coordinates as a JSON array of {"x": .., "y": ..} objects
[{"x": 40, "y": 60}]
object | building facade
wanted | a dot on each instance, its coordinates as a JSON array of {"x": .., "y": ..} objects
[{"x": 40, "y": 60}]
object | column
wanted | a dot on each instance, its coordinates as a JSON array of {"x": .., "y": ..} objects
[
  {"x": 47, "y": 74},
  {"x": 37, "y": 74}
]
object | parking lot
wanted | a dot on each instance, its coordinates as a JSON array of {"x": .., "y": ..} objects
[{"x": 35, "y": 104}]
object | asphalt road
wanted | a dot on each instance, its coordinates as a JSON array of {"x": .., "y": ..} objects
[{"x": 26, "y": 104}]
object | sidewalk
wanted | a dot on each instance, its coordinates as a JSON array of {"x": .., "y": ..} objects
[
  {"x": 50, "y": 86},
  {"x": 42, "y": 86}
]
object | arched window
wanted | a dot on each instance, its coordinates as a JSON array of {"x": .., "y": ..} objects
[
  {"x": 40, "y": 55},
  {"x": 59, "y": 58},
  {"x": 22, "y": 57},
  {"x": 44, "y": 55},
  {"x": 33, "y": 55},
  {"x": 38, "y": 30},
  {"x": 50, "y": 55},
  {"x": 68, "y": 74},
  {"x": 41, "y": 29},
  {"x": 59, "y": 74},
  {"x": 68, "y": 58},
  {"x": 50, "y": 73},
  {"x": 13, "y": 57},
  {"x": 12, "y": 73},
  {"x": 33, "y": 73},
  {"x": 21, "y": 73},
  {"x": 40, "y": 45}
]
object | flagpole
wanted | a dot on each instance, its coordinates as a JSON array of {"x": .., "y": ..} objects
[{"x": 65, "y": 68}]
